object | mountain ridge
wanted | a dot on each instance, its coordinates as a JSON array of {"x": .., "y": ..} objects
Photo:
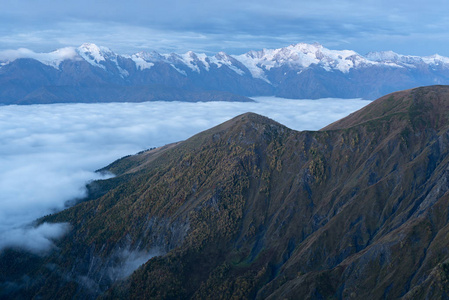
[
  {"x": 407, "y": 102},
  {"x": 302, "y": 54},
  {"x": 308, "y": 71},
  {"x": 251, "y": 209}
]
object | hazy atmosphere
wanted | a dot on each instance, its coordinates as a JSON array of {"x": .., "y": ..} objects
[
  {"x": 49, "y": 152},
  {"x": 406, "y": 27}
]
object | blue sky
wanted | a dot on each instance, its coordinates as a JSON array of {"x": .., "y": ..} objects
[{"x": 234, "y": 26}]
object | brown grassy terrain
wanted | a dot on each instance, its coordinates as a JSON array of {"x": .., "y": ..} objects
[{"x": 252, "y": 210}]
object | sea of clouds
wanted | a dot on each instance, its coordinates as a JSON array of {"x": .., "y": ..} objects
[{"x": 49, "y": 152}]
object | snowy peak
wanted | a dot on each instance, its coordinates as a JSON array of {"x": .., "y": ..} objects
[
  {"x": 394, "y": 59},
  {"x": 192, "y": 61},
  {"x": 263, "y": 64},
  {"x": 189, "y": 60},
  {"x": 145, "y": 60},
  {"x": 102, "y": 57},
  {"x": 301, "y": 56},
  {"x": 436, "y": 60},
  {"x": 296, "y": 71},
  {"x": 94, "y": 54},
  {"x": 296, "y": 56},
  {"x": 390, "y": 57},
  {"x": 383, "y": 56},
  {"x": 222, "y": 59},
  {"x": 91, "y": 53},
  {"x": 222, "y": 56}
]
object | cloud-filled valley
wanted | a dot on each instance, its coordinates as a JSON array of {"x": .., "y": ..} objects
[{"x": 49, "y": 152}]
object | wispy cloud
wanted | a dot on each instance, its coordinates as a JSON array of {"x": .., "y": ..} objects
[
  {"x": 49, "y": 152},
  {"x": 129, "y": 262},
  {"x": 34, "y": 239}
]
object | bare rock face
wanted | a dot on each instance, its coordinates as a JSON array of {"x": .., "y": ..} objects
[{"x": 252, "y": 209}]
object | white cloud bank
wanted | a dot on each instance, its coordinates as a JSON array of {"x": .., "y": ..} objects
[
  {"x": 49, "y": 152},
  {"x": 52, "y": 59},
  {"x": 34, "y": 239}
]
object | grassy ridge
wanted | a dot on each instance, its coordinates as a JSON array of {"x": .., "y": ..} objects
[{"x": 251, "y": 209}]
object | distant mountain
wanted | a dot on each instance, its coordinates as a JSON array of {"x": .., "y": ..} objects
[
  {"x": 253, "y": 210},
  {"x": 91, "y": 73}
]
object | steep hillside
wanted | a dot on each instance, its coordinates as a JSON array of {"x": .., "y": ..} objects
[{"x": 253, "y": 210}]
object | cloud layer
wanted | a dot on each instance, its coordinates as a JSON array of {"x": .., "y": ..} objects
[
  {"x": 53, "y": 58},
  {"x": 49, "y": 152}
]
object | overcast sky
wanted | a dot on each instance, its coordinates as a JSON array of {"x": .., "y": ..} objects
[{"x": 412, "y": 27}]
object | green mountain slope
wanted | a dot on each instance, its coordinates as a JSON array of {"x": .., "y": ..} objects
[{"x": 252, "y": 209}]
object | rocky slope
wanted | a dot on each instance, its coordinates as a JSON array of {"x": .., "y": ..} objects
[
  {"x": 253, "y": 210},
  {"x": 91, "y": 73}
]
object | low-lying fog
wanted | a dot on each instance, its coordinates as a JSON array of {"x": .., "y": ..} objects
[{"x": 49, "y": 152}]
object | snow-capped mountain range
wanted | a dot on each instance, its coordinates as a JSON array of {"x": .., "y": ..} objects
[{"x": 94, "y": 73}]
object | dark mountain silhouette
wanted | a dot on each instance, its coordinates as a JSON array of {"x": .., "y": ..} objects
[{"x": 252, "y": 209}]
